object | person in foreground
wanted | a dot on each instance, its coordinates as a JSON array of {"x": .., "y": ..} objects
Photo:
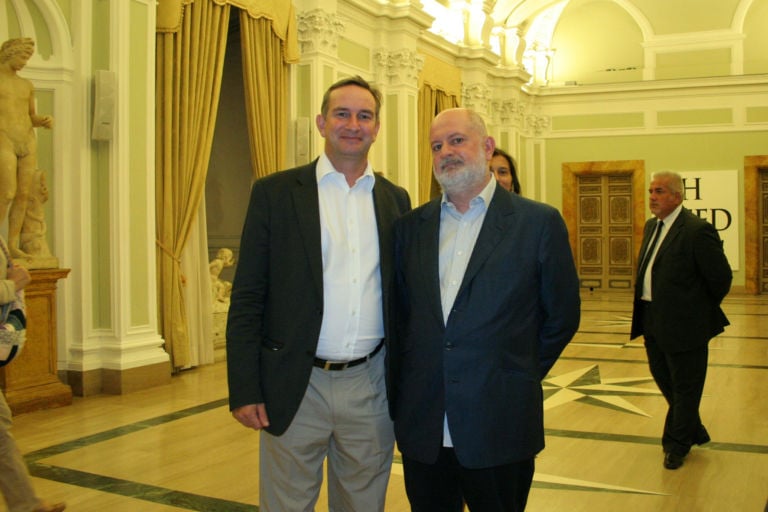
[
  {"x": 683, "y": 276},
  {"x": 488, "y": 298},
  {"x": 15, "y": 482},
  {"x": 503, "y": 168},
  {"x": 306, "y": 337}
]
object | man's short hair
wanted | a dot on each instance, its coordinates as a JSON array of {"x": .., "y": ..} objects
[
  {"x": 673, "y": 179},
  {"x": 354, "y": 80}
]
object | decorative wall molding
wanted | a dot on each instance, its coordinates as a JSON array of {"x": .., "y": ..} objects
[
  {"x": 400, "y": 67},
  {"x": 477, "y": 96},
  {"x": 509, "y": 112},
  {"x": 538, "y": 124},
  {"x": 319, "y": 31},
  {"x": 650, "y": 99}
]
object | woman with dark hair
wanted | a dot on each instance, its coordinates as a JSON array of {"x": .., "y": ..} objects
[{"x": 503, "y": 169}]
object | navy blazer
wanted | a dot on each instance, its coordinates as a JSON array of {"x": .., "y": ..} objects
[
  {"x": 517, "y": 308},
  {"x": 277, "y": 305},
  {"x": 690, "y": 277}
]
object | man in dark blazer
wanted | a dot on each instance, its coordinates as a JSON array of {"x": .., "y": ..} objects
[
  {"x": 488, "y": 297},
  {"x": 683, "y": 276},
  {"x": 306, "y": 338}
]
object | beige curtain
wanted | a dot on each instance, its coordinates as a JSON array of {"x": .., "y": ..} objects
[
  {"x": 190, "y": 62},
  {"x": 265, "y": 75},
  {"x": 432, "y": 101},
  {"x": 191, "y": 42},
  {"x": 269, "y": 42},
  {"x": 197, "y": 292}
]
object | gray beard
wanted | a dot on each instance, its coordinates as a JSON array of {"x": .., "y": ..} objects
[{"x": 461, "y": 181}]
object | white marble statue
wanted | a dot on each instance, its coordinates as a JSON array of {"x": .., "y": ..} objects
[
  {"x": 222, "y": 290},
  {"x": 18, "y": 145}
]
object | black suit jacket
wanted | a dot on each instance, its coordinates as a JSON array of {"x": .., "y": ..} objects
[
  {"x": 277, "y": 295},
  {"x": 517, "y": 308},
  {"x": 690, "y": 277}
]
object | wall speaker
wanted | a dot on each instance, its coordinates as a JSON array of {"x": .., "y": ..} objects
[{"x": 104, "y": 105}]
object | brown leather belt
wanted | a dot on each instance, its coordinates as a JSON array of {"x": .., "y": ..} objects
[{"x": 335, "y": 367}]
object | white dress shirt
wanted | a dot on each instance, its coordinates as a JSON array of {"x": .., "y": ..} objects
[{"x": 353, "y": 319}]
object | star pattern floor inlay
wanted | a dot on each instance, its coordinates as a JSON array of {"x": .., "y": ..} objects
[{"x": 586, "y": 386}]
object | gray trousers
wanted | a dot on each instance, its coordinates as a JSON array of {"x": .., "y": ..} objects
[
  {"x": 15, "y": 483},
  {"x": 343, "y": 418}
]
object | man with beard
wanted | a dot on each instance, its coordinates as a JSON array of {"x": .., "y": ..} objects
[{"x": 488, "y": 298}]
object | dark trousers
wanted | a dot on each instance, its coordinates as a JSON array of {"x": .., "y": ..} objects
[
  {"x": 680, "y": 377},
  {"x": 445, "y": 485}
]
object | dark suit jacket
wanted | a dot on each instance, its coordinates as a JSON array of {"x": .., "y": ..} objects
[
  {"x": 690, "y": 278},
  {"x": 277, "y": 295},
  {"x": 516, "y": 309}
]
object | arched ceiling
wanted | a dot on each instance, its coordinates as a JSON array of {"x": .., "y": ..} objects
[
  {"x": 663, "y": 16},
  {"x": 512, "y": 13},
  {"x": 588, "y": 41}
]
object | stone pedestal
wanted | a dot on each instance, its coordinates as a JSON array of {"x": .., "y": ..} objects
[{"x": 30, "y": 382}]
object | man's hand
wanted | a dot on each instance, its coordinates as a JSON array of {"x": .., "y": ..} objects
[{"x": 252, "y": 416}]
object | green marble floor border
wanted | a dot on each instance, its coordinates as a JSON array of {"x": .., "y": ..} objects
[
  {"x": 623, "y": 438},
  {"x": 645, "y": 362},
  {"x": 135, "y": 490},
  {"x": 190, "y": 501}
]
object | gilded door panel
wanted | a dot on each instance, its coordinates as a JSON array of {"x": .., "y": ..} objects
[{"x": 604, "y": 231}]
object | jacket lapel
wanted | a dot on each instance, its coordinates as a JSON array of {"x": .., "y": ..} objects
[
  {"x": 386, "y": 212},
  {"x": 674, "y": 231},
  {"x": 307, "y": 209},
  {"x": 429, "y": 254},
  {"x": 647, "y": 235},
  {"x": 491, "y": 233}
]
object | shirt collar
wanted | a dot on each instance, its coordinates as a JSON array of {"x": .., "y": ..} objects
[
  {"x": 670, "y": 219},
  {"x": 326, "y": 171},
  {"x": 483, "y": 198}
]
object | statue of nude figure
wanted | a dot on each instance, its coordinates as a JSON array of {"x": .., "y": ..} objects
[{"x": 18, "y": 145}]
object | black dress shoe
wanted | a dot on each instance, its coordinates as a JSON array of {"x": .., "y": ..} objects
[
  {"x": 702, "y": 436},
  {"x": 672, "y": 460}
]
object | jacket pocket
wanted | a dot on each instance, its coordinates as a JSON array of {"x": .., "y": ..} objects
[{"x": 270, "y": 344}]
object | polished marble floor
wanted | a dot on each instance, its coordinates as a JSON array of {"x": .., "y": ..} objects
[{"x": 175, "y": 447}]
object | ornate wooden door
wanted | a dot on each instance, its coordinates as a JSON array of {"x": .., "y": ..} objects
[{"x": 604, "y": 213}]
